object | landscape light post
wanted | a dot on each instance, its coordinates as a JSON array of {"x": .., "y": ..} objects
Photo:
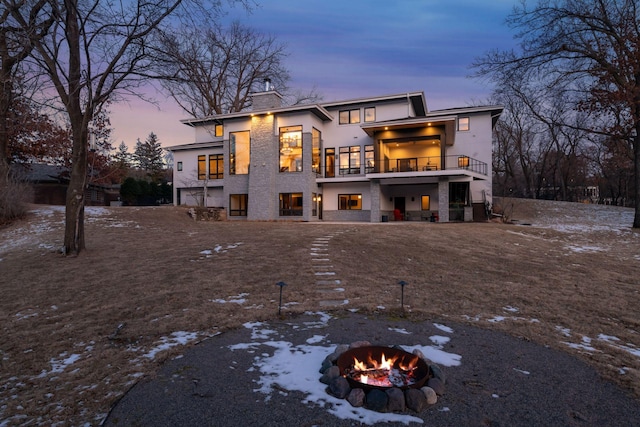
[
  {"x": 402, "y": 284},
  {"x": 281, "y": 285}
]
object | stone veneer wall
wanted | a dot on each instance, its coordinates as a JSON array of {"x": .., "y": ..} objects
[
  {"x": 443, "y": 200},
  {"x": 347, "y": 215},
  {"x": 374, "y": 191},
  {"x": 265, "y": 100},
  {"x": 263, "y": 197}
]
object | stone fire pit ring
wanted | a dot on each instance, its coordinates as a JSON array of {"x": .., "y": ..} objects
[{"x": 429, "y": 380}]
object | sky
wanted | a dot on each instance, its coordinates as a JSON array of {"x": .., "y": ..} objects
[{"x": 357, "y": 48}]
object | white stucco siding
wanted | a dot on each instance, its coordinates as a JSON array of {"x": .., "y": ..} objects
[
  {"x": 330, "y": 194},
  {"x": 306, "y": 120},
  {"x": 188, "y": 176},
  {"x": 205, "y": 133},
  {"x": 236, "y": 125},
  {"x": 393, "y": 111},
  {"x": 476, "y": 142}
]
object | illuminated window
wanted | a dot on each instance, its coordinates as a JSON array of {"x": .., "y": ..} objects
[
  {"x": 369, "y": 160},
  {"x": 329, "y": 162},
  {"x": 463, "y": 162},
  {"x": 219, "y": 130},
  {"x": 291, "y": 149},
  {"x": 349, "y": 201},
  {"x": 202, "y": 167},
  {"x": 349, "y": 116},
  {"x": 216, "y": 166},
  {"x": 238, "y": 204},
  {"x": 425, "y": 203},
  {"x": 463, "y": 124},
  {"x": 314, "y": 204},
  {"x": 290, "y": 204},
  {"x": 350, "y": 160},
  {"x": 239, "y": 153},
  {"x": 370, "y": 114},
  {"x": 316, "y": 138}
]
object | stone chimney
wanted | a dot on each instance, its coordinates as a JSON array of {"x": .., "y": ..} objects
[{"x": 270, "y": 98}]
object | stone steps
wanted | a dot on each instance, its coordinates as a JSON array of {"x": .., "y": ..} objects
[{"x": 327, "y": 284}]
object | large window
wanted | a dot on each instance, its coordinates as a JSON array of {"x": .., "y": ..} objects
[
  {"x": 329, "y": 162},
  {"x": 316, "y": 137},
  {"x": 350, "y": 160},
  {"x": 349, "y": 116},
  {"x": 216, "y": 166},
  {"x": 202, "y": 167},
  {"x": 290, "y": 204},
  {"x": 369, "y": 159},
  {"x": 239, "y": 153},
  {"x": 291, "y": 149},
  {"x": 238, "y": 204},
  {"x": 349, "y": 201}
]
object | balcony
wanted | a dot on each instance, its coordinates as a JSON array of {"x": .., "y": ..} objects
[{"x": 410, "y": 166}]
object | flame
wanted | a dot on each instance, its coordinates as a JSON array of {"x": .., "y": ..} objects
[
  {"x": 383, "y": 364},
  {"x": 368, "y": 372}
]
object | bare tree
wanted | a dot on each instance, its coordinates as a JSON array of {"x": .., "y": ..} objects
[
  {"x": 589, "y": 46},
  {"x": 94, "y": 52},
  {"x": 214, "y": 70},
  {"x": 16, "y": 44}
]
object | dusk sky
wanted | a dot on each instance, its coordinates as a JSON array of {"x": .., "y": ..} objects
[{"x": 357, "y": 48}]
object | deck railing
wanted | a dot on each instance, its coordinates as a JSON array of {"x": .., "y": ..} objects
[{"x": 411, "y": 165}]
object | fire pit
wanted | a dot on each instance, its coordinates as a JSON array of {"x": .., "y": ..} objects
[
  {"x": 383, "y": 379},
  {"x": 376, "y": 367}
]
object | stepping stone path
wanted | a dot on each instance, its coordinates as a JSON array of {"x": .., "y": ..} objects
[{"x": 328, "y": 284}]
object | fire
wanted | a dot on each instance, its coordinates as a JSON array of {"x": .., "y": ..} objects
[{"x": 385, "y": 372}]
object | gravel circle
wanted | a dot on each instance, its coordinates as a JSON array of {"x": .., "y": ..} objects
[{"x": 501, "y": 380}]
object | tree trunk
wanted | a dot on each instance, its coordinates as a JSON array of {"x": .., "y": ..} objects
[
  {"x": 636, "y": 169},
  {"x": 5, "y": 115},
  {"x": 74, "y": 214}
]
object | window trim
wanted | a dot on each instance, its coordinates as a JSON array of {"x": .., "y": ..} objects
[
  {"x": 219, "y": 166},
  {"x": 330, "y": 162},
  {"x": 369, "y": 159},
  {"x": 357, "y": 197},
  {"x": 350, "y": 119},
  {"x": 293, "y": 209},
  {"x": 464, "y": 127},
  {"x": 294, "y": 158},
  {"x": 233, "y": 160},
  {"x": 242, "y": 210},
  {"x": 354, "y": 162},
  {"x": 202, "y": 167},
  {"x": 428, "y": 202},
  {"x": 365, "y": 114}
]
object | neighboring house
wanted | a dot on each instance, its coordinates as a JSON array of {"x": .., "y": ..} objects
[
  {"x": 49, "y": 185},
  {"x": 371, "y": 159}
]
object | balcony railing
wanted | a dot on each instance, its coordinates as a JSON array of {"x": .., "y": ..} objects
[{"x": 411, "y": 165}]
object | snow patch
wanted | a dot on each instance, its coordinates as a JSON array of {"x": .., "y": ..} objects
[{"x": 176, "y": 339}]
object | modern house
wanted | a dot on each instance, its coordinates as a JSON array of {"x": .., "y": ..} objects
[{"x": 372, "y": 159}]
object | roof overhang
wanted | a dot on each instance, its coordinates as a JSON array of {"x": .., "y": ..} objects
[
  {"x": 416, "y": 99},
  {"x": 315, "y": 109},
  {"x": 410, "y": 123}
]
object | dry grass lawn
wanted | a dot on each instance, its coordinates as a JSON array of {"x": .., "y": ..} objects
[{"x": 77, "y": 332}]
